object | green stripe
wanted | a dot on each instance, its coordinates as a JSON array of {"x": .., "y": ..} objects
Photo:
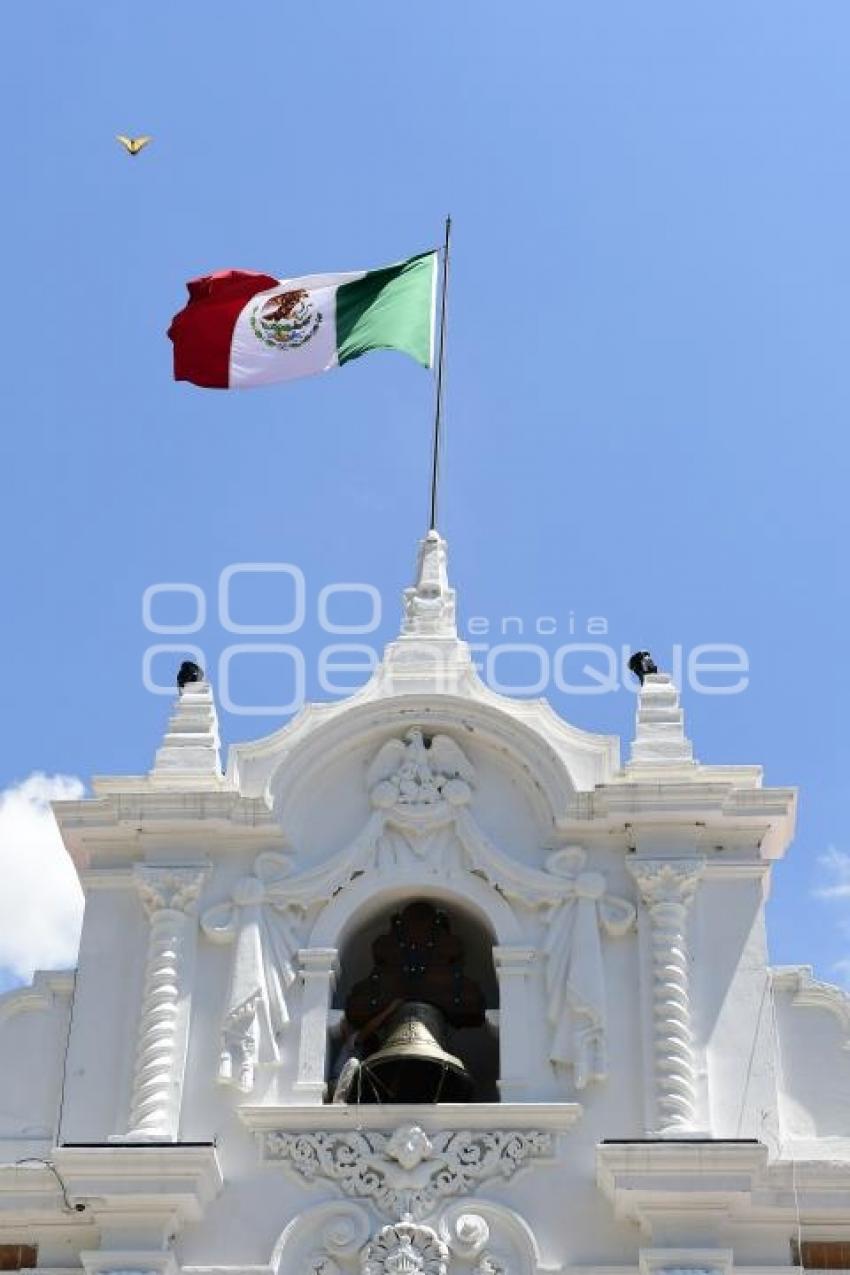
[{"x": 389, "y": 309}]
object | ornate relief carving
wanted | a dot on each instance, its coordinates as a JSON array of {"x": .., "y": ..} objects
[
  {"x": 667, "y": 888},
  {"x": 575, "y": 984},
  {"x": 421, "y": 818},
  {"x": 420, "y": 772},
  {"x": 491, "y": 1265},
  {"x": 169, "y": 896},
  {"x": 168, "y": 889},
  {"x": 323, "y": 1240},
  {"x": 262, "y": 970},
  {"x": 409, "y": 1171},
  {"x": 489, "y": 1238},
  {"x": 320, "y": 1263},
  {"x": 471, "y": 1235},
  {"x": 667, "y": 881},
  {"x": 578, "y": 903},
  {"x": 406, "y": 1249},
  {"x": 467, "y": 1235}
]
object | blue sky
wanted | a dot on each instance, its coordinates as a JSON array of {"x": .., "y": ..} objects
[{"x": 647, "y": 387}]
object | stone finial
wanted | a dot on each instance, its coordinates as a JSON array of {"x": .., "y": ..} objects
[
  {"x": 189, "y": 753},
  {"x": 660, "y": 739},
  {"x": 428, "y": 656},
  {"x": 429, "y": 606}
]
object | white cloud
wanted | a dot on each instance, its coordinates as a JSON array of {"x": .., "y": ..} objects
[
  {"x": 835, "y": 870},
  {"x": 833, "y": 885},
  {"x": 41, "y": 903}
]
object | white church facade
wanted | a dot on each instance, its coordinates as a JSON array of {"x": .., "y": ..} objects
[{"x": 427, "y": 981}]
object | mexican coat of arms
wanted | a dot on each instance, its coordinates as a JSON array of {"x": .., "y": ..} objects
[{"x": 285, "y": 321}]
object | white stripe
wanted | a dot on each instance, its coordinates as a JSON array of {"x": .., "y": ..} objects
[{"x": 254, "y": 362}]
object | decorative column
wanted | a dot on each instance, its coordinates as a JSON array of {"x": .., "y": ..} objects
[
  {"x": 169, "y": 896},
  {"x": 319, "y": 970},
  {"x": 667, "y": 887},
  {"x": 513, "y": 966}
]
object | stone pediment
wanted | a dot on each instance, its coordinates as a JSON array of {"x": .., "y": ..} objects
[
  {"x": 428, "y": 673},
  {"x": 552, "y": 759}
]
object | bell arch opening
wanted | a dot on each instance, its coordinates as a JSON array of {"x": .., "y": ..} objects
[{"x": 415, "y": 1011}]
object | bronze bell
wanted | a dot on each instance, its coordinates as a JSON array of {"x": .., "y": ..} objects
[{"x": 412, "y": 1065}]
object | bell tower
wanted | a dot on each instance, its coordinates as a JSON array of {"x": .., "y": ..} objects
[{"x": 427, "y": 981}]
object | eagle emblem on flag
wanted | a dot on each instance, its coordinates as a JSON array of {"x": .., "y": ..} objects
[
  {"x": 229, "y": 334},
  {"x": 286, "y": 321}
]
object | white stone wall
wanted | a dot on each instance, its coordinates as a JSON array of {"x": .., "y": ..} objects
[{"x": 667, "y": 1102}]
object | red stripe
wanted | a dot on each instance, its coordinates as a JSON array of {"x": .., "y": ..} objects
[{"x": 203, "y": 331}]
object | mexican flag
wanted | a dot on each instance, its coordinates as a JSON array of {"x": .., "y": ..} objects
[{"x": 241, "y": 328}]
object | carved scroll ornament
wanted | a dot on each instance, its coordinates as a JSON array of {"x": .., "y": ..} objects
[{"x": 409, "y": 1171}]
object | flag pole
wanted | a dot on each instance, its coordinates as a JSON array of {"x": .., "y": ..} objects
[{"x": 435, "y": 452}]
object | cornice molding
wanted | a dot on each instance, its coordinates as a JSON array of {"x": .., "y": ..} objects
[
  {"x": 811, "y": 993},
  {"x": 722, "y": 795},
  {"x": 39, "y": 995},
  {"x": 553, "y": 1117},
  {"x": 174, "y": 1179},
  {"x": 120, "y": 877},
  {"x": 653, "y": 1183},
  {"x": 685, "y": 1261},
  {"x": 117, "y": 802},
  {"x": 708, "y": 813},
  {"x": 108, "y": 826}
]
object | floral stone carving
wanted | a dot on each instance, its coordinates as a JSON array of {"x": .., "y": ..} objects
[
  {"x": 406, "y": 1249},
  {"x": 410, "y": 1171}
]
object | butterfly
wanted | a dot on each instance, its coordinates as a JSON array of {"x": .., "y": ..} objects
[{"x": 133, "y": 145}]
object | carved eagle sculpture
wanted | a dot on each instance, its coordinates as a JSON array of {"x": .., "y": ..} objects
[{"x": 417, "y": 771}]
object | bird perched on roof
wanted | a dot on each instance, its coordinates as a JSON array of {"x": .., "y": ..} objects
[
  {"x": 188, "y": 672},
  {"x": 642, "y": 664},
  {"x": 133, "y": 145}
]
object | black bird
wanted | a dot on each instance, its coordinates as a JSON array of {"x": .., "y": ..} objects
[
  {"x": 189, "y": 672},
  {"x": 641, "y": 664}
]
